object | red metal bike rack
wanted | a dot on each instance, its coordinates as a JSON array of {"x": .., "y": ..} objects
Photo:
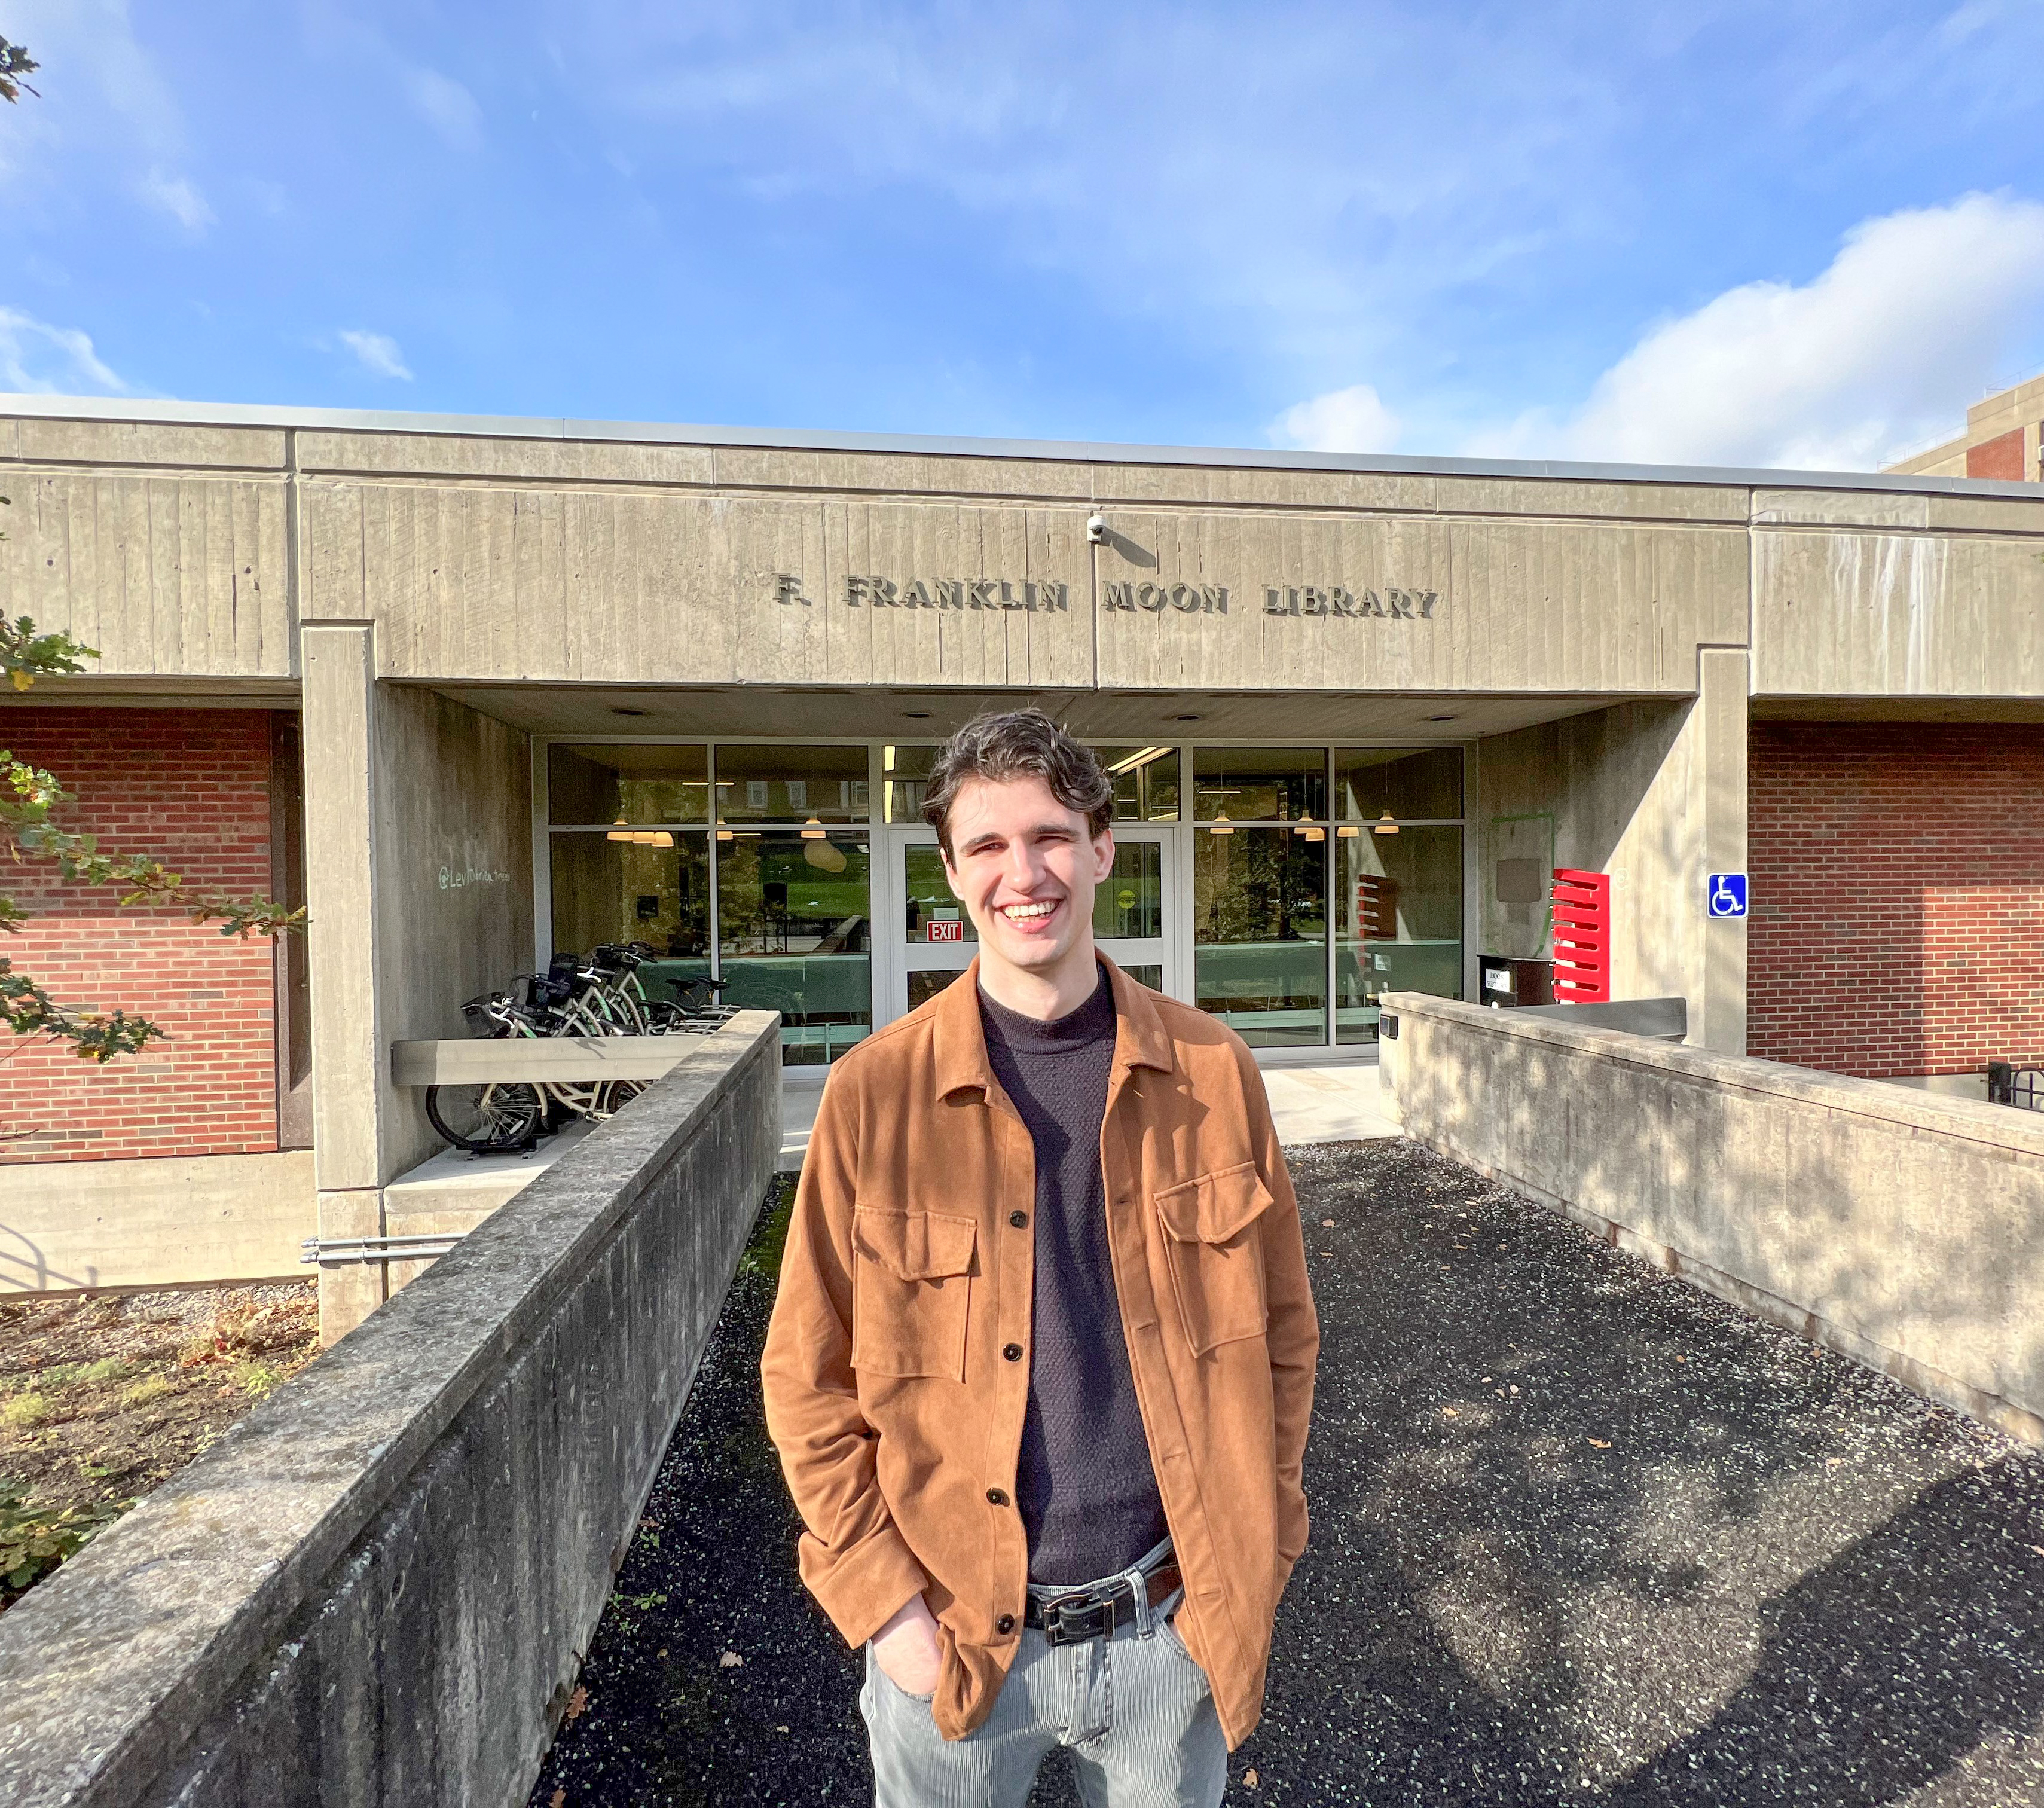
[{"x": 1582, "y": 937}]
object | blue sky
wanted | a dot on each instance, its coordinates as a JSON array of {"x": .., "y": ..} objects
[{"x": 1720, "y": 231}]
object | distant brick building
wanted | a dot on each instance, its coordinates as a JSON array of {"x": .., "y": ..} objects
[
  {"x": 1898, "y": 874},
  {"x": 202, "y": 789},
  {"x": 2004, "y": 439}
]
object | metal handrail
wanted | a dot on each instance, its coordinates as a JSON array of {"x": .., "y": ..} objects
[{"x": 325, "y": 1249}]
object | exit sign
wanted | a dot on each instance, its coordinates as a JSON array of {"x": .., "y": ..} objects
[{"x": 953, "y": 931}]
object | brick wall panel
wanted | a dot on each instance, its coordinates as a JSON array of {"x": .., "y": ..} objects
[
  {"x": 192, "y": 787},
  {"x": 1898, "y": 881}
]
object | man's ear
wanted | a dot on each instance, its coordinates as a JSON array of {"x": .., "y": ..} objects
[
  {"x": 1103, "y": 854},
  {"x": 951, "y": 871}
]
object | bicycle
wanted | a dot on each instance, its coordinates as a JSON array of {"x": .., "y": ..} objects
[
  {"x": 596, "y": 995},
  {"x": 503, "y": 1116}
]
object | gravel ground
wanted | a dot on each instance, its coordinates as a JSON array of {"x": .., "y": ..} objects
[{"x": 1582, "y": 1535}]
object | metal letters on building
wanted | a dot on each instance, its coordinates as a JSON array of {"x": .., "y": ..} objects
[{"x": 1037, "y": 595}]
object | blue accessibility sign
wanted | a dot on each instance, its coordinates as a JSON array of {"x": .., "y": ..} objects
[{"x": 1726, "y": 894}]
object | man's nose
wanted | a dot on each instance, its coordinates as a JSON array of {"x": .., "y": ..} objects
[{"x": 1025, "y": 866}]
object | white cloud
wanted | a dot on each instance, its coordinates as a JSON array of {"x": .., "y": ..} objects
[
  {"x": 37, "y": 359},
  {"x": 446, "y": 106},
  {"x": 378, "y": 353},
  {"x": 1876, "y": 355},
  {"x": 178, "y": 197},
  {"x": 1305, "y": 203},
  {"x": 1351, "y": 419}
]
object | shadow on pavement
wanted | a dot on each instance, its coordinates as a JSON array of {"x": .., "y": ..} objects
[{"x": 1581, "y": 1535}]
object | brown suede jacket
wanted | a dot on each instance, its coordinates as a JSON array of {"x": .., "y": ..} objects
[{"x": 908, "y": 1269}]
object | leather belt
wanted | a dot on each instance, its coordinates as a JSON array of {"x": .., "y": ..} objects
[{"x": 1095, "y": 1613}]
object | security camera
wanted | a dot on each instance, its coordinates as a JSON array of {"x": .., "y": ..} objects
[{"x": 1097, "y": 530}]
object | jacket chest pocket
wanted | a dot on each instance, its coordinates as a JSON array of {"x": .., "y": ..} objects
[
  {"x": 911, "y": 1281},
  {"x": 1216, "y": 1255}
]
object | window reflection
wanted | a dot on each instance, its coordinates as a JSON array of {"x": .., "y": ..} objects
[
  {"x": 1259, "y": 925},
  {"x": 1130, "y": 901},
  {"x": 632, "y": 783},
  {"x": 792, "y": 784},
  {"x": 1399, "y": 922},
  {"x": 794, "y": 935},
  {"x": 906, "y": 772},
  {"x": 609, "y": 890},
  {"x": 1145, "y": 780},
  {"x": 930, "y": 899},
  {"x": 1408, "y": 782},
  {"x": 1268, "y": 784}
]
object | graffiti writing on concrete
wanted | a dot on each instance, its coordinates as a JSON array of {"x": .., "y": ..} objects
[{"x": 455, "y": 879}]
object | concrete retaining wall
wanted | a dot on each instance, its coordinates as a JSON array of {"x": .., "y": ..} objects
[
  {"x": 180, "y": 1220},
  {"x": 1903, "y": 1228},
  {"x": 376, "y": 1589}
]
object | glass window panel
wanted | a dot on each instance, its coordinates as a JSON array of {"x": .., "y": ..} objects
[
  {"x": 792, "y": 784},
  {"x": 1153, "y": 977},
  {"x": 612, "y": 890},
  {"x": 1270, "y": 784},
  {"x": 1398, "y": 921},
  {"x": 1408, "y": 781},
  {"x": 1130, "y": 901},
  {"x": 633, "y": 783},
  {"x": 908, "y": 771},
  {"x": 795, "y": 935},
  {"x": 1145, "y": 781},
  {"x": 925, "y": 986},
  {"x": 1259, "y": 922},
  {"x": 929, "y": 896}
]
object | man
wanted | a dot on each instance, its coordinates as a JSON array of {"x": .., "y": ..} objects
[{"x": 1041, "y": 1361}]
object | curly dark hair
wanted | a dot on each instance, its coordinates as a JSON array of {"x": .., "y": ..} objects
[{"x": 1014, "y": 744}]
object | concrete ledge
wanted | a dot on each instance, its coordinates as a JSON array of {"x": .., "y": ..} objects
[
  {"x": 190, "y": 1221},
  {"x": 376, "y": 1588},
  {"x": 1904, "y": 1229}
]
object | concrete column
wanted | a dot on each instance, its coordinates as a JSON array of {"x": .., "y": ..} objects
[
  {"x": 338, "y": 662},
  {"x": 1717, "y": 1018}
]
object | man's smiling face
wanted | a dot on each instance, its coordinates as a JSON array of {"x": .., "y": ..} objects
[{"x": 1025, "y": 866}]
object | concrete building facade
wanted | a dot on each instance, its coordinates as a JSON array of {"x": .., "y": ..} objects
[{"x": 560, "y": 682}]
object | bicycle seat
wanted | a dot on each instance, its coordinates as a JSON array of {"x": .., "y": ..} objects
[{"x": 485, "y": 1015}]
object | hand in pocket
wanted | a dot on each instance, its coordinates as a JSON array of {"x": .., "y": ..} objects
[{"x": 906, "y": 1651}]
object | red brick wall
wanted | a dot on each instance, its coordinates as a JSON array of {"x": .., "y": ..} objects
[
  {"x": 1898, "y": 897},
  {"x": 192, "y": 787},
  {"x": 1999, "y": 457}
]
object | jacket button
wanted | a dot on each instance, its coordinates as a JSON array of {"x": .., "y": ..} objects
[
  {"x": 1020, "y": 1220},
  {"x": 1005, "y": 1625},
  {"x": 1012, "y": 1352},
  {"x": 996, "y": 1497}
]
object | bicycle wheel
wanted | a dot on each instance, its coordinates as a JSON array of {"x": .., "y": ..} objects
[
  {"x": 614, "y": 1095},
  {"x": 485, "y": 1120}
]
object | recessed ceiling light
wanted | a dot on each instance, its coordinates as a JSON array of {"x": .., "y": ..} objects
[{"x": 620, "y": 709}]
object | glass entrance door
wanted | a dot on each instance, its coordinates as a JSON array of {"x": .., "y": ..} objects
[{"x": 936, "y": 942}]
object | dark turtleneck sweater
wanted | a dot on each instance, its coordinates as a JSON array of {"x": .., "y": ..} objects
[{"x": 1084, "y": 1484}]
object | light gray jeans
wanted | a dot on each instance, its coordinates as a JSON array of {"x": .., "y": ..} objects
[{"x": 1134, "y": 1710}]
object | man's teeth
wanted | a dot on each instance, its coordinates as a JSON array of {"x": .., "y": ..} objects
[{"x": 1015, "y": 911}]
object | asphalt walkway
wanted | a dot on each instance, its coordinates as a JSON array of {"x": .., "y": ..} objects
[{"x": 1582, "y": 1535}]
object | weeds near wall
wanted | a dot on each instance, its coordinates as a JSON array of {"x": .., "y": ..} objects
[{"x": 33, "y": 1540}]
